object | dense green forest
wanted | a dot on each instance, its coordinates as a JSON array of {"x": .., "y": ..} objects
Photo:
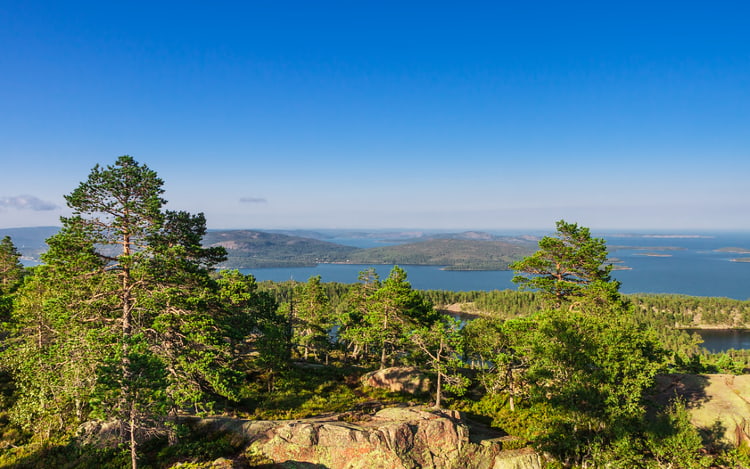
[
  {"x": 127, "y": 331},
  {"x": 257, "y": 249}
]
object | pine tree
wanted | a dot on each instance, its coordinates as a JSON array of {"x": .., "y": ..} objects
[
  {"x": 354, "y": 330},
  {"x": 11, "y": 269},
  {"x": 11, "y": 273},
  {"x": 395, "y": 310},
  {"x": 442, "y": 344},
  {"x": 123, "y": 322},
  {"x": 566, "y": 264},
  {"x": 312, "y": 318}
]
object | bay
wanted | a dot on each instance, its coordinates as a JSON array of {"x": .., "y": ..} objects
[
  {"x": 721, "y": 340},
  {"x": 695, "y": 266},
  {"x": 672, "y": 263},
  {"x": 421, "y": 277},
  {"x": 669, "y": 263}
]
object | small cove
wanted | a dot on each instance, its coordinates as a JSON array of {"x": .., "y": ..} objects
[{"x": 721, "y": 340}]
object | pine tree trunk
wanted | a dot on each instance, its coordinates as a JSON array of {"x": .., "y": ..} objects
[
  {"x": 133, "y": 443},
  {"x": 385, "y": 341},
  {"x": 512, "y": 390},
  {"x": 127, "y": 375},
  {"x": 439, "y": 391}
]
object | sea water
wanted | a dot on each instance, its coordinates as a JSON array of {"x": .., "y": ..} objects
[{"x": 672, "y": 263}]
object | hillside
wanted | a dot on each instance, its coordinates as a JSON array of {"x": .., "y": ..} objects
[
  {"x": 455, "y": 254},
  {"x": 718, "y": 403},
  {"x": 258, "y": 249}
]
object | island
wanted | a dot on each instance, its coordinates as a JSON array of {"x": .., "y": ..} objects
[
  {"x": 251, "y": 249},
  {"x": 733, "y": 250}
]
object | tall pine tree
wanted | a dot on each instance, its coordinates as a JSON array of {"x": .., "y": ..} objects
[{"x": 123, "y": 322}]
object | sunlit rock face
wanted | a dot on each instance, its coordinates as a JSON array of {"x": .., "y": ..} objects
[
  {"x": 398, "y": 379},
  {"x": 393, "y": 438}
]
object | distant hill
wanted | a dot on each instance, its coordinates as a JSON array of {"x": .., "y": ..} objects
[
  {"x": 468, "y": 235},
  {"x": 257, "y": 249},
  {"x": 455, "y": 251},
  {"x": 303, "y": 233},
  {"x": 455, "y": 254}
]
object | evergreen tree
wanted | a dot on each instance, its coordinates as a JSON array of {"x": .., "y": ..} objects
[
  {"x": 11, "y": 273},
  {"x": 442, "y": 344},
  {"x": 589, "y": 362},
  {"x": 379, "y": 316},
  {"x": 565, "y": 264},
  {"x": 54, "y": 350},
  {"x": 124, "y": 310},
  {"x": 395, "y": 310},
  {"x": 11, "y": 269},
  {"x": 313, "y": 319},
  {"x": 354, "y": 330},
  {"x": 500, "y": 349}
]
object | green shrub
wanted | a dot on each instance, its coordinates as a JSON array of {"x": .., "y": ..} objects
[{"x": 674, "y": 440}]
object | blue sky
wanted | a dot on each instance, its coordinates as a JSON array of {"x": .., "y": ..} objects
[{"x": 478, "y": 115}]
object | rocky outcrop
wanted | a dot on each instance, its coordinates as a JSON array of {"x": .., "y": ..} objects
[
  {"x": 718, "y": 403},
  {"x": 398, "y": 379},
  {"x": 393, "y": 438}
]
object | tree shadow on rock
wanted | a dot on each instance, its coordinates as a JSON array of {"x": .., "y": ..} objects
[
  {"x": 713, "y": 437},
  {"x": 691, "y": 388}
]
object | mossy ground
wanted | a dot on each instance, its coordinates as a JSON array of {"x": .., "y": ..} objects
[{"x": 300, "y": 392}]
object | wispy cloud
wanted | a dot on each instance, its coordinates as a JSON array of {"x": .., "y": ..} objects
[
  {"x": 26, "y": 202},
  {"x": 253, "y": 200}
]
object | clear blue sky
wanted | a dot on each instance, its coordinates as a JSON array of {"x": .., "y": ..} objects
[{"x": 383, "y": 114}]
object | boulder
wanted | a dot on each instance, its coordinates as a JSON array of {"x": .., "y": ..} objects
[
  {"x": 718, "y": 402},
  {"x": 393, "y": 438},
  {"x": 398, "y": 379}
]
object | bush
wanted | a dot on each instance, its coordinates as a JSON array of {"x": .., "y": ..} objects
[{"x": 674, "y": 440}]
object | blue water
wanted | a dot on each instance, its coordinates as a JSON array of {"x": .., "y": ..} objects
[
  {"x": 694, "y": 269},
  {"x": 421, "y": 277},
  {"x": 721, "y": 340}
]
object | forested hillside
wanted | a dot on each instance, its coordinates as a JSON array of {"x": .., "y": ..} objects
[
  {"x": 455, "y": 254},
  {"x": 258, "y": 249}
]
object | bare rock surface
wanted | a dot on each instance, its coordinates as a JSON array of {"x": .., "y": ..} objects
[
  {"x": 719, "y": 403},
  {"x": 393, "y": 438},
  {"x": 398, "y": 379}
]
